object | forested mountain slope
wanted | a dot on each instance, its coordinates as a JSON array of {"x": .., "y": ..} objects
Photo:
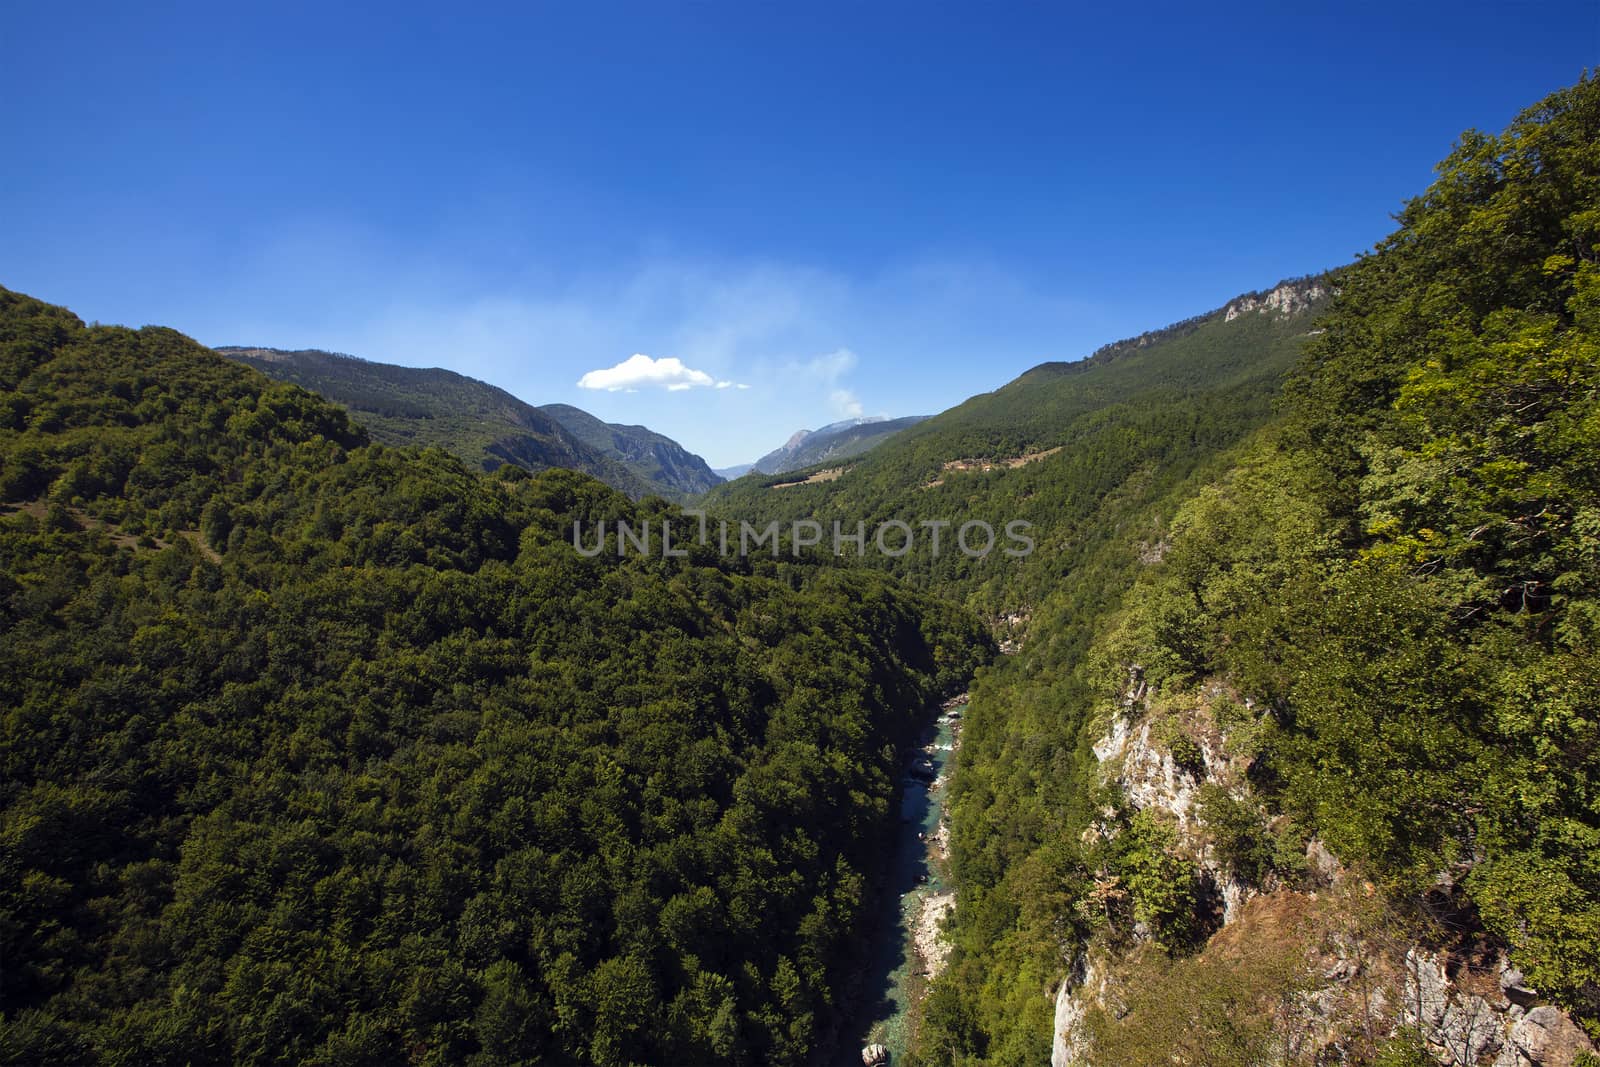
[
  {"x": 316, "y": 750},
  {"x": 656, "y": 457},
  {"x": 483, "y": 425},
  {"x": 1070, "y": 448},
  {"x": 1383, "y": 612}
]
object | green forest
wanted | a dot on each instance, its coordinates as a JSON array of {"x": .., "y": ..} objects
[
  {"x": 1374, "y": 520},
  {"x": 317, "y": 751},
  {"x": 1400, "y": 569},
  {"x": 484, "y": 426},
  {"x": 320, "y": 750}
]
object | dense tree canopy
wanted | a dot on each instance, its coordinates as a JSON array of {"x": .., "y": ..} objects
[
  {"x": 1093, "y": 445},
  {"x": 320, "y": 751},
  {"x": 317, "y": 750},
  {"x": 1403, "y": 570}
]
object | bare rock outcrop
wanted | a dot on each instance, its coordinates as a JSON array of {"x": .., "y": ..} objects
[
  {"x": 1361, "y": 978},
  {"x": 1287, "y": 299}
]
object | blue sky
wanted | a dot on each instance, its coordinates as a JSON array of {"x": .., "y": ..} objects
[{"x": 865, "y": 207}]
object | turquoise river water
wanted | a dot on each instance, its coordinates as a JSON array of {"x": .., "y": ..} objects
[{"x": 895, "y": 972}]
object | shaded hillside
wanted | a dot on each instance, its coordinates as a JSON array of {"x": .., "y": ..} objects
[
  {"x": 480, "y": 423},
  {"x": 835, "y": 441},
  {"x": 656, "y": 457},
  {"x": 318, "y": 750}
]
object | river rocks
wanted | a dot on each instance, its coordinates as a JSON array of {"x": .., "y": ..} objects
[{"x": 926, "y": 937}]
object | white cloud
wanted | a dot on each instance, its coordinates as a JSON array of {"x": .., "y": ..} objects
[
  {"x": 538, "y": 327},
  {"x": 640, "y": 370}
]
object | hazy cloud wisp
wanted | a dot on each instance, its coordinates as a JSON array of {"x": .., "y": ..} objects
[{"x": 828, "y": 370}]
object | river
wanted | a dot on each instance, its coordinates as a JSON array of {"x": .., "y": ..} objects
[{"x": 897, "y": 973}]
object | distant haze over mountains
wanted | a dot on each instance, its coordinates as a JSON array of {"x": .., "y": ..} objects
[
  {"x": 837, "y": 440},
  {"x": 485, "y": 425}
]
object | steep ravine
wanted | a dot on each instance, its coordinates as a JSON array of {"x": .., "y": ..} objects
[
  {"x": 1357, "y": 975},
  {"x": 909, "y": 948}
]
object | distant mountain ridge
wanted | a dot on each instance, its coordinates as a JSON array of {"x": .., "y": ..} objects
[
  {"x": 1061, "y": 443},
  {"x": 837, "y": 440},
  {"x": 483, "y": 424},
  {"x": 657, "y": 456}
]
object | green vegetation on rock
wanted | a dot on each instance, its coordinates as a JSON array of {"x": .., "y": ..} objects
[
  {"x": 318, "y": 750},
  {"x": 1401, "y": 568}
]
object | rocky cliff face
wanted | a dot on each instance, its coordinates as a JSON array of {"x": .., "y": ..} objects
[
  {"x": 1287, "y": 299},
  {"x": 1359, "y": 975},
  {"x": 1151, "y": 777},
  {"x": 1489, "y": 1018}
]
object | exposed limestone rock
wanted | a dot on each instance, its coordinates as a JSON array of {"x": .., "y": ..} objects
[
  {"x": 1460, "y": 1027},
  {"x": 1543, "y": 1037},
  {"x": 1322, "y": 864},
  {"x": 1549, "y": 1038},
  {"x": 1515, "y": 986},
  {"x": 1152, "y": 553},
  {"x": 1286, "y": 299},
  {"x": 1364, "y": 981},
  {"x": 1114, "y": 743},
  {"x": 1061, "y": 1049},
  {"x": 1083, "y": 987},
  {"x": 1466, "y": 1029},
  {"x": 1151, "y": 778}
]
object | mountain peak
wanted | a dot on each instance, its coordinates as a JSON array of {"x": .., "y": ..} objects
[
  {"x": 837, "y": 440},
  {"x": 483, "y": 424}
]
